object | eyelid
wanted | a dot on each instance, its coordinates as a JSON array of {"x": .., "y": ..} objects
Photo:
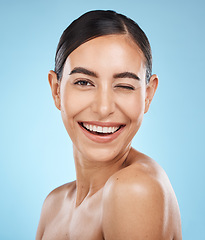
[
  {"x": 83, "y": 80},
  {"x": 125, "y": 86}
]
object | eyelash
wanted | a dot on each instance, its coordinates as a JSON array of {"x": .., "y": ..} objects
[
  {"x": 126, "y": 87},
  {"x": 83, "y": 83},
  {"x": 88, "y": 83}
]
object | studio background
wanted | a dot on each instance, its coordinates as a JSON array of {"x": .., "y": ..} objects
[{"x": 35, "y": 150}]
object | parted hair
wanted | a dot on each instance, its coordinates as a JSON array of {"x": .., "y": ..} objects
[{"x": 98, "y": 23}]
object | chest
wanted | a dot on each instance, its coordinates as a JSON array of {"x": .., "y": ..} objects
[{"x": 85, "y": 223}]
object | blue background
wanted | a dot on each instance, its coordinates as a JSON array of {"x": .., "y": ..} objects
[{"x": 35, "y": 150}]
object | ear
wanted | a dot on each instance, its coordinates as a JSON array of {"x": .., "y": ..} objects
[
  {"x": 150, "y": 91},
  {"x": 55, "y": 88}
]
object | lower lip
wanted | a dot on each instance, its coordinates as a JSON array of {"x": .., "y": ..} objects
[{"x": 102, "y": 139}]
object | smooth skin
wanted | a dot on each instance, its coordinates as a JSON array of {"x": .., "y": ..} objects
[{"x": 119, "y": 193}]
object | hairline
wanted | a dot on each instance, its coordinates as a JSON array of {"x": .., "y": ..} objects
[{"x": 126, "y": 34}]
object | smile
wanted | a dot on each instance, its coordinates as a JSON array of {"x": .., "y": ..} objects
[
  {"x": 100, "y": 129},
  {"x": 101, "y": 132}
]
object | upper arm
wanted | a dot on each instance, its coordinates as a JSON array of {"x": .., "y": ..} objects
[
  {"x": 42, "y": 222},
  {"x": 136, "y": 209},
  {"x": 49, "y": 210}
]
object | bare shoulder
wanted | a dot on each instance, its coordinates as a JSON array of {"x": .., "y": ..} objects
[
  {"x": 139, "y": 202},
  {"x": 56, "y": 197},
  {"x": 52, "y": 206}
]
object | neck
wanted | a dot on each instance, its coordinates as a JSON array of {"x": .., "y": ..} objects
[{"x": 92, "y": 176}]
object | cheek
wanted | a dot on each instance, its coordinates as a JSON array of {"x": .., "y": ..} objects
[
  {"x": 133, "y": 107},
  {"x": 72, "y": 104}
]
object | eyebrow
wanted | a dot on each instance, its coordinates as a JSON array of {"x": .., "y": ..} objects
[
  {"x": 126, "y": 75},
  {"x": 94, "y": 74},
  {"x": 84, "y": 71}
]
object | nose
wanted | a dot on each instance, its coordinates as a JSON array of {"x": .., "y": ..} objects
[{"x": 104, "y": 104}]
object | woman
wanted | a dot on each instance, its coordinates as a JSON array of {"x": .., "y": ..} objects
[{"x": 103, "y": 85}]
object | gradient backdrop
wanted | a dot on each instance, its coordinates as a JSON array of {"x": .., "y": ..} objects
[{"x": 35, "y": 151}]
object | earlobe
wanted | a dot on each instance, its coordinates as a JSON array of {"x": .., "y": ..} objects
[
  {"x": 147, "y": 103},
  {"x": 150, "y": 91},
  {"x": 55, "y": 88}
]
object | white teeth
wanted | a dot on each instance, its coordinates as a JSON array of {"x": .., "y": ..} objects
[
  {"x": 105, "y": 130},
  {"x": 110, "y": 129},
  {"x": 94, "y": 128},
  {"x": 100, "y": 129}
]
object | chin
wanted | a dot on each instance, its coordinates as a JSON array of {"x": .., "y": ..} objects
[{"x": 102, "y": 154}]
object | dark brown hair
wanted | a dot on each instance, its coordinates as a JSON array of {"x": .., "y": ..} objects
[{"x": 98, "y": 23}]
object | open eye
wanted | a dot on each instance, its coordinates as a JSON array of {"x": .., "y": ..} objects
[{"x": 83, "y": 83}]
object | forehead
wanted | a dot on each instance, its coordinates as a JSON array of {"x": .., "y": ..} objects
[{"x": 108, "y": 53}]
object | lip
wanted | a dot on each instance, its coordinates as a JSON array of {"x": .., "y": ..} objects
[
  {"x": 104, "y": 124},
  {"x": 101, "y": 138}
]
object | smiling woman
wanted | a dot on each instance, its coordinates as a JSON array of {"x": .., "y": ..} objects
[{"x": 103, "y": 86}]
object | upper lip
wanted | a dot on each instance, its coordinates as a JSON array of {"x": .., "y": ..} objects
[{"x": 103, "y": 124}]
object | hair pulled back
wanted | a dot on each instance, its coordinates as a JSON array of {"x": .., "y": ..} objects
[{"x": 98, "y": 23}]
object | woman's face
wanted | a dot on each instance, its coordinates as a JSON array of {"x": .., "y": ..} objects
[{"x": 103, "y": 96}]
